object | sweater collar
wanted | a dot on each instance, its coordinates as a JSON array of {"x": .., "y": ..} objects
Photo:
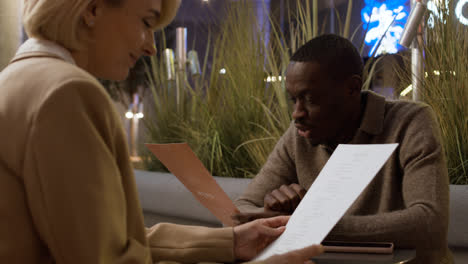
[
  {"x": 374, "y": 113},
  {"x": 372, "y": 121},
  {"x": 35, "y": 46}
]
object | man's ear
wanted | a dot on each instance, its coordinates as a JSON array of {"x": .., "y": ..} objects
[{"x": 354, "y": 84}]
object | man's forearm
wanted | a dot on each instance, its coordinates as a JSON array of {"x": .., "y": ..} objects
[
  {"x": 246, "y": 206},
  {"x": 418, "y": 226}
]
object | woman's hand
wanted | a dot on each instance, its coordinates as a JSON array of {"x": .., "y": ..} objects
[{"x": 251, "y": 238}]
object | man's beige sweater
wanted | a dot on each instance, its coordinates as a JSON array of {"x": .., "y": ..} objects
[{"x": 406, "y": 203}]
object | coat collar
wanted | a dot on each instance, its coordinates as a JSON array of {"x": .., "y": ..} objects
[{"x": 34, "y": 47}]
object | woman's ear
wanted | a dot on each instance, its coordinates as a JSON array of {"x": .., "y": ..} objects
[{"x": 92, "y": 13}]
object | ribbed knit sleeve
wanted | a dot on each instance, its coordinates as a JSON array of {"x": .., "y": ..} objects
[
  {"x": 278, "y": 170},
  {"x": 191, "y": 244}
]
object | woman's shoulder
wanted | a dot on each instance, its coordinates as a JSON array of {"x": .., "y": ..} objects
[
  {"x": 43, "y": 75},
  {"x": 67, "y": 82},
  {"x": 50, "y": 70},
  {"x": 31, "y": 83}
]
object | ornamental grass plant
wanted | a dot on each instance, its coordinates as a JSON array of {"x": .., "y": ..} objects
[
  {"x": 233, "y": 120},
  {"x": 445, "y": 85}
]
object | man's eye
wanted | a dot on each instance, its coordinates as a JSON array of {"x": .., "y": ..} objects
[
  {"x": 293, "y": 99},
  {"x": 310, "y": 99},
  {"x": 146, "y": 23}
]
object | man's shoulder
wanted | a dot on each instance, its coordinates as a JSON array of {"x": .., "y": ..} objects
[
  {"x": 401, "y": 110},
  {"x": 409, "y": 118}
]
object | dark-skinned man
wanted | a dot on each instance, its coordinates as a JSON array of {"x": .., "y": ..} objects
[{"x": 406, "y": 203}]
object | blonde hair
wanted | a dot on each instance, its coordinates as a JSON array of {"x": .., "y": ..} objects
[{"x": 60, "y": 20}]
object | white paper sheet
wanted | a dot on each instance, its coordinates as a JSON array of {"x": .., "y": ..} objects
[{"x": 347, "y": 173}]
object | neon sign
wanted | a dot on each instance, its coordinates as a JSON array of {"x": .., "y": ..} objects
[
  {"x": 436, "y": 12},
  {"x": 459, "y": 12},
  {"x": 384, "y": 21}
]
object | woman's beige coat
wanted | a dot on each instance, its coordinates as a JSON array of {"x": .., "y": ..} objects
[{"x": 67, "y": 187}]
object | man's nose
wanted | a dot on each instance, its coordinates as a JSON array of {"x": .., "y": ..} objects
[{"x": 299, "y": 111}]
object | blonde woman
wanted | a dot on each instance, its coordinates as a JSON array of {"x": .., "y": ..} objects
[{"x": 68, "y": 190}]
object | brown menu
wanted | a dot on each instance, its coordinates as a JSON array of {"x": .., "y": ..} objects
[{"x": 184, "y": 164}]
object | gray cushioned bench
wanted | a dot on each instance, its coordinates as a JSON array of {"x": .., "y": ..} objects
[
  {"x": 165, "y": 199},
  {"x": 458, "y": 226}
]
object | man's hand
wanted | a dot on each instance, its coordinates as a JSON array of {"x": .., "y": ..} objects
[
  {"x": 242, "y": 218},
  {"x": 299, "y": 256},
  {"x": 282, "y": 201},
  {"x": 285, "y": 199},
  {"x": 251, "y": 238}
]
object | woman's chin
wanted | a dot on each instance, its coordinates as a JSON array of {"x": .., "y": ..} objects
[{"x": 114, "y": 76}]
